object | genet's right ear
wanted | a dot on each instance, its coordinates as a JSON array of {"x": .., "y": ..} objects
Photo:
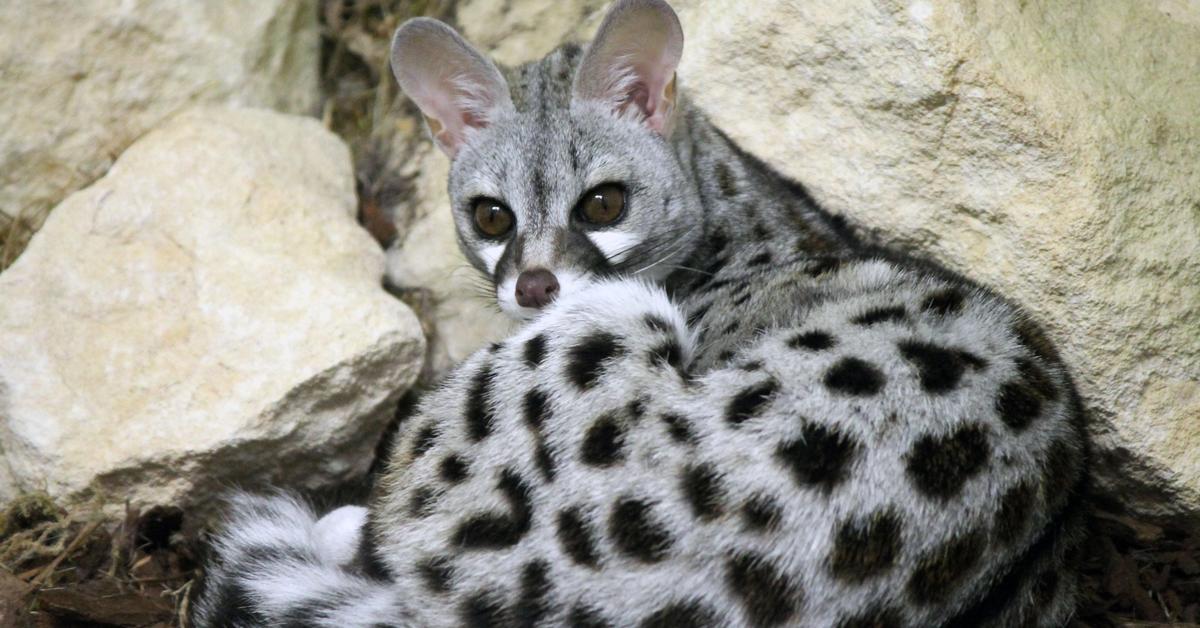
[{"x": 457, "y": 88}]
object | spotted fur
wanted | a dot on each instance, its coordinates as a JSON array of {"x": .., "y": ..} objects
[{"x": 786, "y": 426}]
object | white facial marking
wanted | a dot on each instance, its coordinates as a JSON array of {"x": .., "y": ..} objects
[
  {"x": 616, "y": 245},
  {"x": 491, "y": 256}
]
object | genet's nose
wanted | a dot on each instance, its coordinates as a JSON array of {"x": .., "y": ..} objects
[{"x": 536, "y": 287}]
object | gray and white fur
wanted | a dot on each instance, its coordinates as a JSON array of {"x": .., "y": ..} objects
[{"x": 732, "y": 412}]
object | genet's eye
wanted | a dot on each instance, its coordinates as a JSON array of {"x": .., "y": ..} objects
[
  {"x": 492, "y": 218},
  {"x": 602, "y": 205}
]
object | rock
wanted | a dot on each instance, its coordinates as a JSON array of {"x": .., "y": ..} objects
[
  {"x": 207, "y": 314},
  {"x": 1027, "y": 144},
  {"x": 85, "y": 78}
]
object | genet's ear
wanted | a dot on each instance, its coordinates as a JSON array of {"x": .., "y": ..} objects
[
  {"x": 631, "y": 62},
  {"x": 457, "y": 88}
]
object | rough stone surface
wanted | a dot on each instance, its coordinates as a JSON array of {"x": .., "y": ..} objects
[
  {"x": 85, "y": 78},
  {"x": 207, "y": 314},
  {"x": 1029, "y": 144}
]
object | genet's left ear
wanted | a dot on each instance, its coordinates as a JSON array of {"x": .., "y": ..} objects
[{"x": 631, "y": 63}]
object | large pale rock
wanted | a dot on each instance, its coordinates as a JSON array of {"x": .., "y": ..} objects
[
  {"x": 208, "y": 313},
  {"x": 1049, "y": 149},
  {"x": 85, "y": 78}
]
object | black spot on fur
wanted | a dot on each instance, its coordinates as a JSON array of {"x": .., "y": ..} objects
[
  {"x": 479, "y": 414},
  {"x": 545, "y": 461},
  {"x": 768, "y": 596},
  {"x": 536, "y": 409},
  {"x": 423, "y": 441},
  {"x": 812, "y": 340},
  {"x": 740, "y": 301},
  {"x": 753, "y": 365},
  {"x": 602, "y": 442},
  {"x": 586, "y": 360},
  {"x": 941, "y": 571},
  {"x": 366, "y": 557},
  {"x": 298, "y": 616},
  {"x": 865, "y": 548},
  {"x": 823, "y": 266},
  {"x": 874, "y": 618},
  {"x": 692, "y": 614},
  {"x": 483, "y": 610},
  {"x": 718, "y": 241},
  {"x": 820, "y": 458},
  {"x": 636, "y": 532},
  {"x": 725, "y": 180},
  {"x": 938, "y": 368},
  {"x": 1063, "y": 467},
  {"x": 731, "y": 327},
  {"x": 947, "y": 301},
  {"x": 233, "y": 604},
  {"x": 939, "y": 466},
  {"x": 494, "y": 530},
  {"x": 535, "y": 351},
  {"x": 636, "y": 409},
  {"x": 1013, "y": 515},
  {"x": 725, "y": 356},
  {"x": 436, "y": 573},
  {"x": 575, "y": 536},
  {"x": 421, "y": 502},
  {"x": 668, "y": 352},
  {"x": 876, "y": 315},
  {"x": 760, "y": 259},
  {"x": 453, "y": 469},
  {"x": 971, "y": 360},
  {"x": 1018, "y": 404},
  {"x": 761, "y": 513},
  {"x": 702, "y": 487},
  {"x": 657, "y": 323},
  {"x": 761, "y": 232},
  {"x": 586, "y": 617},
  {"x": 1037, "y": 379},
  {"x": 750, "y": 401},
  {"x": 852, "y": 376},
  {"x": 532, "y": 601},
  {"x": 679, "y": 428},
  {"x": 1031, "y": 336}
]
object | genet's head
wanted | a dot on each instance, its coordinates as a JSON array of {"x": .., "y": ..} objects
[{"x": 565, "y": 174}]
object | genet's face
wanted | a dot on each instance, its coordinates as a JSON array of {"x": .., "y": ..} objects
[
  {"x": 569, "y": 176},
  {"x": 544, "y": 201}
]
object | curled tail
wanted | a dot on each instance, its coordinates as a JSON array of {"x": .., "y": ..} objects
[{"x": 276, "y": 563}]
